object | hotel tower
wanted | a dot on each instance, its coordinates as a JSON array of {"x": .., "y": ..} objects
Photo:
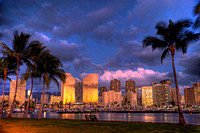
[
  {"x": 68, "y": 89},
  {"x": 90, "y": 88}
]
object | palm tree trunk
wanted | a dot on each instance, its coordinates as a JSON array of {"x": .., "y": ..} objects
[
  {"x": 13, "y": 103},
  {"x": 4, "y": 83},
  {"x": 42, "y": 101},
  {"x": 29, "y": 97},
  {"x": 180, "y": 111}
]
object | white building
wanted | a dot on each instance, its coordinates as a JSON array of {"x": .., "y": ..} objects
[{"x": 111, "y": 97}]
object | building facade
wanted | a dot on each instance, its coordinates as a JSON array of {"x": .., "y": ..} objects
[
  {"x": 115, "y": 85},
  {"x": 130, "y": 86},
  {"x": 79, "y": 91},
  {"x": 103, "y": 89},
  {"x": 196, "y": 87},
  {"x": 90, "y": 88},
  {"x": 173, "y": 95},
  {"x": 161, "y": 93},
  {"x": 111, "y": 98},
  {"x": 189, "y": 96},
  {"x": 55, "y": 99},
  {"x": 132, "y": 98},
  {"x": 21, "y": 91},
  {"x": 6, "y": 97},
  {"x": 182, "y": 99},
  {"x": 46, "y": 98},
  {"x": 68, "y": 89},
  {"x": 147, "y": 95}
]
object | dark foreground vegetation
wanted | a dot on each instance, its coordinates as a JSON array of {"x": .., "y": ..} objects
[{"x": 67, "y": 126}]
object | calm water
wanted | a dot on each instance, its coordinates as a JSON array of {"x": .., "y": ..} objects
[{"x": 193, "y": 119}]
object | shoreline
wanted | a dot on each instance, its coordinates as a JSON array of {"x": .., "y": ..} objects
[{"x": 60, "y": 112}]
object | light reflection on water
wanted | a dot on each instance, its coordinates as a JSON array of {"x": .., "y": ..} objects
[{"x": 142, "y": 117}]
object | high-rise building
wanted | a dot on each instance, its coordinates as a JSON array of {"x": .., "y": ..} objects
[
  {"x": 68, "y": 89},
  {"x": 111, "y": 97},
  {"x": 46, "y": 98},
  {"x": 196, "y": 87},
  {"x": 130, "y": 86},
  {"x": 132, "y": 98},
  {"x": 173, "y": 95},
  {"x": 161, "y": 93},
  {"x": 167, "y": 81},
  {"x": 79, "y": 91},
  {"x": 55, "y": 99},
  {"x": 21, "y": 91},
  {"x": 115, "y": 85},
  {"x": 90, "y": 88},
  {"x": 189, "y": 96},
  {"x": 103, "y": 89},
  {"x": 182, "y": 99},
  {"x": 6, "y": 97},
  {"x": 147, "y": 95}
]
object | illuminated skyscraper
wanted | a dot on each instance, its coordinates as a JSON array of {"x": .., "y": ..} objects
[
  {"x": 162, "y": 93},
  {"x": 130, "y": 86},
  {"x": 21, "y": 91},
  {"x": 90, "y": 88},
  {"x": 55, "y": 99},
  {"x": 189, "y": 96},
  {"x": 115, "y": 85},
  {"x": 79, "y": 91},
  {"x": 147, "y": 95},
  {"x": 68, "y": 89},
  {"x": 196, "y": 87}
]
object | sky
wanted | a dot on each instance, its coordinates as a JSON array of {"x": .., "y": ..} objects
[{"x": 103, "y": 36}]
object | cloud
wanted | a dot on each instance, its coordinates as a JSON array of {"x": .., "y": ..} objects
[
  {"x": 141, "y": 76},
  {"x": 191, "y": 63}
]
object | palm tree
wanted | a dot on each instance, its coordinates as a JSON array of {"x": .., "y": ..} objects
[
  {"x": 33, "y": 53},
  {"x": 49, "y": 69},
  {"x": 19, "y": 51},
  {"x": 173, "y": 37},
  {"x": 7, "y": 67}
]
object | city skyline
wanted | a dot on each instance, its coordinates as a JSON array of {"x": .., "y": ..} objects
[{"x": 107, "y": 38}]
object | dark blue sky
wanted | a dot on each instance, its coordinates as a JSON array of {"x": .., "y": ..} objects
[{"x": 103, "y": 37}]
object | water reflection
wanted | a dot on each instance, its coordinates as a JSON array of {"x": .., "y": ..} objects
[{"x": 141, "y": 117}]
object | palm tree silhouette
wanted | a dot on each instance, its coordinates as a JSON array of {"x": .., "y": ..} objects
[
  {"x": 172, "y": 38},
  {"x": 7, "y": 67},
  {"x": 18, "y": 51},
  {"x": 34, "y": 52},
  {"x": 49, "y": 68}
]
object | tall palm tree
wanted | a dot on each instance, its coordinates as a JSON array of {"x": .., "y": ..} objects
[
  {"x": 34, "y": 51},
  {"x": 7, "y": 67},
  {"x": 49, "y": 67},
  {"x": 175, "y": 36},
  {"x": 19, "y": 51}
]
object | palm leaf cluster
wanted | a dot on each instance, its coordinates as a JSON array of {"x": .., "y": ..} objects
[
  {"x": 39, "y": 61},
  {"x": 175, "y": 36}
]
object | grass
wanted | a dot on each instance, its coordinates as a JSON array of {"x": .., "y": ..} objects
[{"x": 15, "y": 125}]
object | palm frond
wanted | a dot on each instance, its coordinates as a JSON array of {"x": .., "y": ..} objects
[
  {"x": 197, "y": 23},
  {"x": 155, "y": 43},
  {"x": 166, "y": 51}
]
